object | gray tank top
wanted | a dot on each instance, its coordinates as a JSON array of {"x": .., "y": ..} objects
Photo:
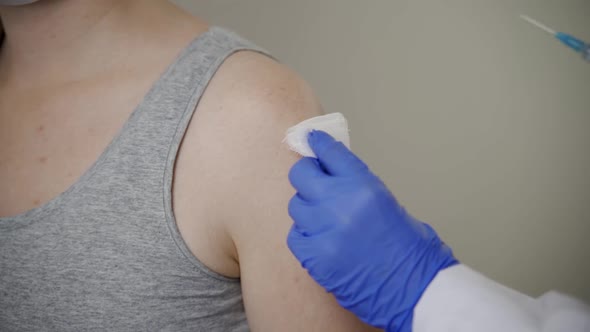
[{"x": 106, "y": 255}]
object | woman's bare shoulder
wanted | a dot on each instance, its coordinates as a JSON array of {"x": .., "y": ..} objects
[{"x": 236, "y": 146}]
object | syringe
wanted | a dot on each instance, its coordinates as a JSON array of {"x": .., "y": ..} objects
[{"x": 570, "y": 41}]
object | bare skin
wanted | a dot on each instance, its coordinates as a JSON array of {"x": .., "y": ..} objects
[{"x": 61, "y": 102}]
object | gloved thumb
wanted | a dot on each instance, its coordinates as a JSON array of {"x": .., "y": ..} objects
[{"x": 334, "y": 157}]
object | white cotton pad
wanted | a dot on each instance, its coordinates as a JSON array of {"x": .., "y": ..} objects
[{"x": 334, "y": 124}]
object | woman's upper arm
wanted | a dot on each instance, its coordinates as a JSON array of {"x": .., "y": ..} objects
[{"x": 279, "y": 295}]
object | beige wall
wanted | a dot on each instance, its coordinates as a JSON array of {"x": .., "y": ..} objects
[{"x": 478, "y": 122}]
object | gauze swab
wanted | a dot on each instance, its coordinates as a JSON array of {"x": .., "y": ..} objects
[{"x": 334, "y": 124}]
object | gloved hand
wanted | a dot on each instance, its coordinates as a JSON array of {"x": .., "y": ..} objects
[{"x": 355, "y": 239}]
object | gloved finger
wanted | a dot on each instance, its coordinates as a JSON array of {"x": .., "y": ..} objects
[
  {"x": 334, "y": 156},
  {"x": 300, "y": 245},
  {"x": 305, "y": 217},
  {"x": 305, "y": 176}
]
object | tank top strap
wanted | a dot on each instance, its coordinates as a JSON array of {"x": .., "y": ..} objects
[{"x": 162, "y": 118}]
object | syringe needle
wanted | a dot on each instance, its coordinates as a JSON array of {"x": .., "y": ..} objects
[{"x": 538, "y": 25}]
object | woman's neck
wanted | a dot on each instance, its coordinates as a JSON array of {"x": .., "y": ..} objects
[
  {"x": 49, "y": 26},
  {"x": 63, "y": 41},
  {"x": 49, "y": 36}
]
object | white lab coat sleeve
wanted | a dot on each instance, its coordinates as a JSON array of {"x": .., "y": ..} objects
[{"x": 460, "y": 299}]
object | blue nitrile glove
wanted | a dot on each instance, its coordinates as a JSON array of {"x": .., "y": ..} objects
[{"x": 355, "y": 239}]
